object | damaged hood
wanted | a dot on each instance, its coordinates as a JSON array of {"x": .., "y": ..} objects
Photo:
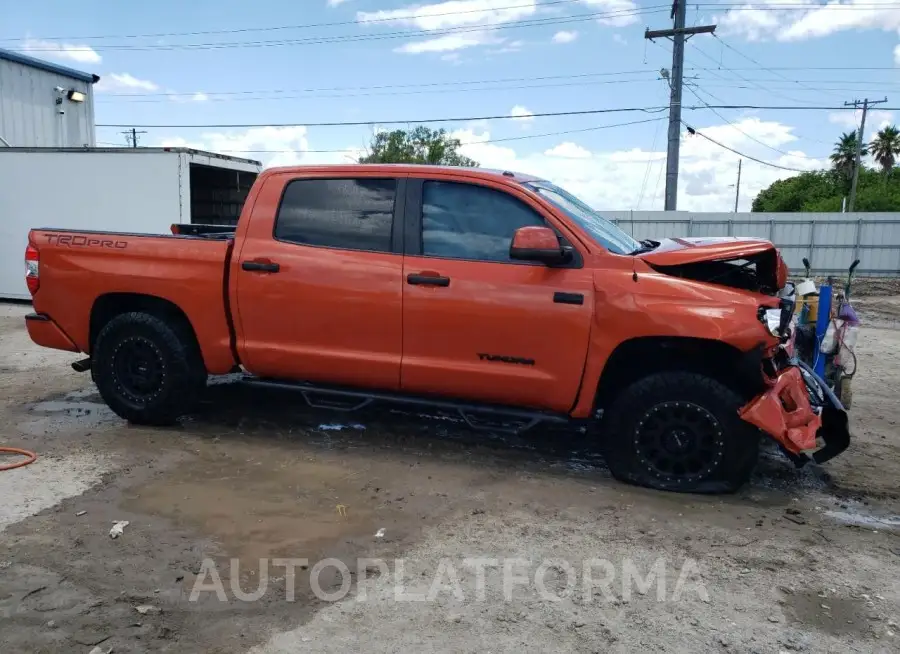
[{"x": 749, "y": 263}]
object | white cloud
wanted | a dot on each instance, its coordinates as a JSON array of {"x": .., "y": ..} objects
[
  {"x": 446, "y": 43},
  {"x": 454, "y": 13},
  {"x": 565, "y": 36},
  {"x": 569, "y": 150},
  {"x": 449, "y": 15},
  {"x": 83, "y": 54},
  {"x": 757, "y": 22},
  {"x": 274, "y": 146},
  {"x": 614, "y": 6},
  {"x": 198, "y": 96},
  {"x": 336, "y": 3},
  {"x": 522, "y": 114},
  {"x": 850, "y": 119},
  {"x": 618, "y": 38},
  {"x": 121, "y": 82},
  {"x": 510, "y": 46},
  {"x": 613, "y": 179}
]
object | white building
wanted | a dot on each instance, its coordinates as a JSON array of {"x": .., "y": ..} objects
[{"x": 43, "y": 105}]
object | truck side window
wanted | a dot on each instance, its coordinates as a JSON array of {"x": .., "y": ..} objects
[
  {"x": 348, "y": 214},
  {"x": 465, "y": 221}
]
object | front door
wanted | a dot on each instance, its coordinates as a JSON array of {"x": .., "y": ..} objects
[
  {"x": 319, "y": 282},
  {"x": 478, "y": 325}
]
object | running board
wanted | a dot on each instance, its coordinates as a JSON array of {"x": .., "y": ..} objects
[{"x": 480, "y": 417}]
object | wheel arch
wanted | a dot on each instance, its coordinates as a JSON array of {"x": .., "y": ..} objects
[
  {"x": 639, "y": 357},
  {"x": 108, "y": 306}
]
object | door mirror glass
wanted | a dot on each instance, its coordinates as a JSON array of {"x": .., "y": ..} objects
[{"x": 537, "y": 244}]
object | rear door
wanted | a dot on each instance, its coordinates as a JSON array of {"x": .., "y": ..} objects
[
  {"x": 476, "y": 324},
  {"x": 319, "y": 280}
]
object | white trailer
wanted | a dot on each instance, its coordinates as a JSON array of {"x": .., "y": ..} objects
[{"x": 137, "y": 190}]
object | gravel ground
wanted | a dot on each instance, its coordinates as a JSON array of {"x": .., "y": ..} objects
[{"x": 798, "y": 561}]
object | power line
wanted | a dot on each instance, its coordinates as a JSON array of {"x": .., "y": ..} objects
[
  {"x": 392, "y": 19},
  {"x": 807, "y": 138},
  {"x": 748, "y": 80},
  {"x": 272, "y": 28},
  {"x": 501, "y": 80},
  {"x": 695, "y": 132},
  {"x": 749, "y": 136},
  {"x": 351, "y": 38},
  {"x": 743, "y": 6},
  {"x": 649, "y": 166},
  {"x": 754, "y": 61},
  {"x": 459, "y": 119},
  {"x": 407, "y": 18},
  {"x": 491, "y": 141},
  {"x": 396, "y": 93},
  {"x": 774, "y": 68}
]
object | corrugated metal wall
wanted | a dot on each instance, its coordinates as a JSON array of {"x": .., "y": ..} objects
[
  {"x": 831, "y": 241},
  {"x": 28, "y": 110}
]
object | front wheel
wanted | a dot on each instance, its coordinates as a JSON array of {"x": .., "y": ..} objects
[
  {"x": 147, "y": 368},
  {"x": 681, "y": 432}
]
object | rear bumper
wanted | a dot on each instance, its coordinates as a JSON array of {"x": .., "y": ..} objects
[
  {"x": 801, "y": 414},
  {"x": 47, "y": 333}
]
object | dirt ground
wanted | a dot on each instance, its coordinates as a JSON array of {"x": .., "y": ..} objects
[{"x": 799, "y": 561}]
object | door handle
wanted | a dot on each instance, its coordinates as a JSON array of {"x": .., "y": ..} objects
[
  {"x": 260, "y": 266},
  {"x": 427, "y": 280},
  {"x": 568, "y": 298}
]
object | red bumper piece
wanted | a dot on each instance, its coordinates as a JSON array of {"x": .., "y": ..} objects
[
  {"x": 47, "y": 333},
  {"x": 784, "y": 412}
]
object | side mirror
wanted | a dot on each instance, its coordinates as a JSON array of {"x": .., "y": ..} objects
[{"x": 538, "y": 244}]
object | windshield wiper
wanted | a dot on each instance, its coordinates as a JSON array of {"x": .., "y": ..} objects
[{"x": 646, "y": 246}]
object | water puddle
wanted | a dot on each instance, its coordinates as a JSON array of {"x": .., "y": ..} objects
[
  {"x": 862, "y": 518},
  {"x": 73, "y": 411}
]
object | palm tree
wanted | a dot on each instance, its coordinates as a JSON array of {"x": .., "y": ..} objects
[
  {"x": 843, "y": 158},
  {"x": 885, "y": 146}
]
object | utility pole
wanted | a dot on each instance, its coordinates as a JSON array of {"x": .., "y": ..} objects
[
  {"x": 679, "y": 34},
  {"x": 859, "y": 143},
  {"x": 737, "y": 190},
  {"x": 131, "y": 136}
]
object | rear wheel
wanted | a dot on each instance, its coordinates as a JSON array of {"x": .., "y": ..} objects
[
  {"x": 147, "y": 369},
  {"x": 681, "y": 432}
]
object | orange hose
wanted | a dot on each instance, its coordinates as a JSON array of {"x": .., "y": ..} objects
[{"x": 32, "y": 457}]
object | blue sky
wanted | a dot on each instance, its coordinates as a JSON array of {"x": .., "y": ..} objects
[{"x": 560, "y": 55}]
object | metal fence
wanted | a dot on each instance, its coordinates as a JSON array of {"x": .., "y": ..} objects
[{"x": 831, "y": 241}]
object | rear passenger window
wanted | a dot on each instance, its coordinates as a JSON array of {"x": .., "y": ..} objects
[
  {"x": 348, "y": 214},
  {"x": 465, "y": 221}
]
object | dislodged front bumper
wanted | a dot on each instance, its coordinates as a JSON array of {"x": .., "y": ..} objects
[{"x": 802, "y": 414}]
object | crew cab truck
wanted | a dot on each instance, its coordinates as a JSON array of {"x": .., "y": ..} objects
[{"x": 495, "y": 292}]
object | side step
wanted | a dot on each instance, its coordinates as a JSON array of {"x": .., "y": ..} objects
[{"x": 481, "y": 417}]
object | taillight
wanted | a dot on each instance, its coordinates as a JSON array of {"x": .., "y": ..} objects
[{"x": 32, "y": 269}]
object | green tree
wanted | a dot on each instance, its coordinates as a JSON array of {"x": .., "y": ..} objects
[
  {"x": 843, "y": 159},
  {"x": 885, "y": 147},
  {"x": 421, "y": 145},
  {"x": 825, "y": 190},
  {"x": 796, "y": 193}
]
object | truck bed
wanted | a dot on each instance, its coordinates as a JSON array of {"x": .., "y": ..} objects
[{"x": 83, "y": 270}]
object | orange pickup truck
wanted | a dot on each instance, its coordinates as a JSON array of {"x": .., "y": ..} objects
[{"x": 493, "y": 293}]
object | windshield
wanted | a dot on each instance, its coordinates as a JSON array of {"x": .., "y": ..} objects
[{"x": 605, "y": 232}]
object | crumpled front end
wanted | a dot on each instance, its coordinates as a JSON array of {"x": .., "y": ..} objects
[{"x": 801, "y": 413}]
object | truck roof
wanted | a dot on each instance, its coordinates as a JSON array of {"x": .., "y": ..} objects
[{"x": 394, "y": 169}]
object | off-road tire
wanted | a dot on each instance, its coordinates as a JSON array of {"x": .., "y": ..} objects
[
  {"x": 731, "y": 446},
  {"x": 170, "y": 351}
]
